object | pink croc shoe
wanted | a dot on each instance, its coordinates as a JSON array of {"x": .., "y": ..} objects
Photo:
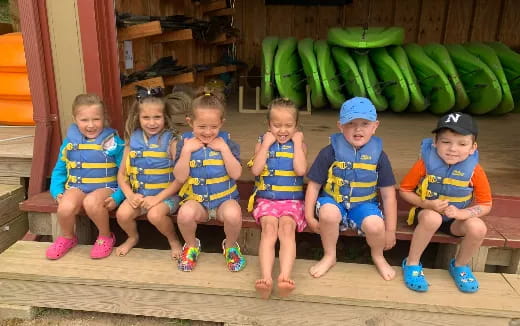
[
  {"x": 103, "y": 246},
  {"x": 60, "y": 247}
]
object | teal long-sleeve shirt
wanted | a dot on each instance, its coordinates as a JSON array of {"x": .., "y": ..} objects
[{"x": 59, "y": 173}]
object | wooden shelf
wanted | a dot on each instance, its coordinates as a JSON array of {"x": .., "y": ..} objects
[
  {"x": 139, "y": 31},
  {"x": 219, "y": 70},
  {"x": 129, "y": 89},
  {"x": 222, "y": 12},
  {"x": 213, "y": 5},
  {"x": 180, "y": 35},
  {"x": 186, "y": 78},
  {"x": 223, "y": 40}
]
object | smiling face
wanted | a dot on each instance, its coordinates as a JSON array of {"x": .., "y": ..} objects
[
  {"x": 151, "y": 118},
  {"x": 282, "y": 123},
  {"x": 358, "y": 131},
  {"x": 90, "y": 120},
  {"x": 206, "y": 124},
  {"x": 454, "y": 148}
]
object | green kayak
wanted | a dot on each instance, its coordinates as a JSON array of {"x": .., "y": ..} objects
[
  {"x": 438, "y": 53},
  {"x": 510, "y": 61},
  {"x": 434, "y": 84},
  {"x": 417, "y": 101},
  {"x": 310, "y": 67},
  {"x": 288, "y": 72},
  {"x": 372, "y": 85},
  {"x": 268, "y": 87},
  {"x": 365, "y": 38},
  {"x": 349, "y": 72},
  {"x": 329, "y": 77},
  {"x": 393, "y": 84},
  {"x": 487, "y": 55},
  {"x": 479, "y": 81}
]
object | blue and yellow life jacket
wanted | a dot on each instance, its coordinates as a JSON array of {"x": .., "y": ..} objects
[
  {"x": 278, "y": 181},
  {"x": 88, "y": 166},
  {"x": 149, "y": 165},
  {"x": 443, "y": 181},
  {"x": 352, "y": 178},
  {"x": 208, "y": 182}
]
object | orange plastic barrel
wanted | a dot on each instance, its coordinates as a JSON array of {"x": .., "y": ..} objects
[
  {"x": 12, "y": 56},
  {"x": 16, "y": 113}
]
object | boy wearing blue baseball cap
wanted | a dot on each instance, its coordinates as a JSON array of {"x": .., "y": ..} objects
[{"x": 343, "y": 184}]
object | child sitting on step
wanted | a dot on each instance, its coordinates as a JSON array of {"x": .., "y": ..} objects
[
  {"x": 209, "y": 163},
  {"x": 279, "y": 165},
  {"x": 343, "y": 184},
  {"x": 147, "y": 178},
  {"x": 450, "y": 192},
  {"x": 85, "y": 176}
]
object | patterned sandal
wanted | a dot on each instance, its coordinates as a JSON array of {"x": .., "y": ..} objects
[
  {"x": 60, "y": 247},
  {"x": 103, "y": 246},
  {"x": 234, "y": 258},
  {"x": 414, "y": 277},
  {"x": 189, "y": 256},
  {"x": 463, "y": 277}
]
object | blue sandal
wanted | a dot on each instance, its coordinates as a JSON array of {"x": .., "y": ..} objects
[
  {"x": 414, "y": 277},
  {"x": 463, "y": 277}
]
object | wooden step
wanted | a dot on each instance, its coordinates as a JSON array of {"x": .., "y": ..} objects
[
  {"x": 146, "y": 282},
  {"x": 10, "y": 197}
]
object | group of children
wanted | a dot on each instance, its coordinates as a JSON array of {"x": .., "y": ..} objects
[{"x": 157, "y": 173}]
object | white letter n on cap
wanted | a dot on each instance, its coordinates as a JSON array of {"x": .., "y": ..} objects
[{"x": 454, "y": 117}]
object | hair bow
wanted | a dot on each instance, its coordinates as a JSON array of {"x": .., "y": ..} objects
[{"x": 144, "y": 92}]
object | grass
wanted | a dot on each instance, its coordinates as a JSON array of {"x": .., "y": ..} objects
[{"x": 4, "y": 12}]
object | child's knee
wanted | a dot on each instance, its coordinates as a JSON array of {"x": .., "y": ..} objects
[
  {"x": 155, "y": 216},
  {"x": 66, "y": 208},
  {"x": 476, "y": 228},
  {"x": 329, "y": 214},
  {"x": 270, "y": 231},
  {"x": 92, "y": 202},
  {"x": 373, "y": 225},
  {"x": 430, "y": 219},
  {"x": 286, "y": 229}
]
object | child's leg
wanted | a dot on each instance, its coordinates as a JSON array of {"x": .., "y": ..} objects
[
  {"x": 68, "y": 208},
  {"x": 94, "y": 204},
  {"x": 329, "y": 218},
  {"x": 287, "y": 254},
  {"x": 429, "y": 222},
  {"x": 126, "y": 216},
  {"x": 266, "y": 255},
  {"x": 374, "y": 228},
  {"x": 158, "y": 216},
  {"x": 473, "y": 230},
  {"x": 190, "y": 213},
  {"x": 230, "y": 214}
]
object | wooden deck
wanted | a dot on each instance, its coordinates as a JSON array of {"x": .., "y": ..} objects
[
  {"x": 146, "y": 282},
  {"x": 16, "y": 152}
]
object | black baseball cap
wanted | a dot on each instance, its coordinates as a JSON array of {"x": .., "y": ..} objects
[{"x": 459, "y": 122}]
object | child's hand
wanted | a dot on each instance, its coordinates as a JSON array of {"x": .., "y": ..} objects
[
  {"x": 268, "y": 139},
  {"x": 110, "y": 204},
  {"x": 298, "y": 137},
  {"x": 314, "y": 225},
  {"x": 453, "y": 212},
  {"x": 389, "y": 239},
  {"x": 150, "y": 201},
  {"x": 437, "y": 205},
  {"x": 218, "y": 144},
  {"x": 58, "y": 198},
  {"x": 136, "y": 200},
  {"x": 192, "y": 144}
]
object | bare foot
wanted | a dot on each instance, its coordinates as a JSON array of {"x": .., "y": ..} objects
[
  {"x": 126, "y": 246},
  {"x": 285, "y": 286},
  {"x": 176, "y": 247},
  {"x": 264, "y": 287},
  {"x": 320, "y": 268},
  {"x": 386, "y": 271}
]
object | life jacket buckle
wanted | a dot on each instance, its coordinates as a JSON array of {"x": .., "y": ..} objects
[{"x": 272, "y": 154}]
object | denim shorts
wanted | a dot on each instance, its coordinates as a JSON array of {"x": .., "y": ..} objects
[
  {"x": 350, "y": 218},
  {"x": 171, "y": 202}
]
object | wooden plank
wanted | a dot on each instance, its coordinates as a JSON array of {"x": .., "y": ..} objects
[
  {"x": 279, "y": 23},
  {"x": 213, "y": 5},
  {"x": 152, "y": 271},
  {"x": 514, "y": 263},
  {"x": 13, "y": 231},
  {"x": 486, "y": 20},
  {"x": 255, "y": 11},
  {"x": 508, "y": 32},
  {"x": 139, "y": 31},
  {"x": 509, "y": 228},
  {"x": 305, "y": 22},
  {"x": 432, "y": 21},
  {"x": 15, "y": 167},
  {"x": 10, "y": 196},
  {"x": 514, "y": 280},
  {"x": 5, "y": 180},
  {"x": 129, "y": 89},
  {"x": 356, "y": 13},
  {"x": 328, "y": 16},
  {"x": 40, "y": 223},
  {"x": 458, "y": 21},
  {"x": 479, "y": 259},
  {"x": 382, "y": 13},
  {"x": 222, "y": 12},
  {"x": 219, "y": 70},
  {"x": 186, "y": 78},
  {"x": 16, "y": 141},
  {"x": 180, "y": 35},
  {"x": 499, "y": 256},
  {"x": 8, "y": 311}
]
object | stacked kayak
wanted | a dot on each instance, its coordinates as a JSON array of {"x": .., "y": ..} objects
[{"x": 475, "y": 77}]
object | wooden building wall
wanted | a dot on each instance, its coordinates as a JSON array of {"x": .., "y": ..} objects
[{"x": 445, "y": 21}]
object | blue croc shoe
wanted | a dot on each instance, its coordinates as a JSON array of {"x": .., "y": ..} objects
[
  {"x": 463, "y": 277},
  {"x": 414, "y": 277}
]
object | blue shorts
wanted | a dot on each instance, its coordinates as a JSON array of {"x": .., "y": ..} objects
[{"x": 350, "y": 218}]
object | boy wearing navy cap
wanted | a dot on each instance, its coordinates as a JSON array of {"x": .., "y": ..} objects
[
  {"x": 343, "y": 184},
  {"x": 449, "y": 192}
]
